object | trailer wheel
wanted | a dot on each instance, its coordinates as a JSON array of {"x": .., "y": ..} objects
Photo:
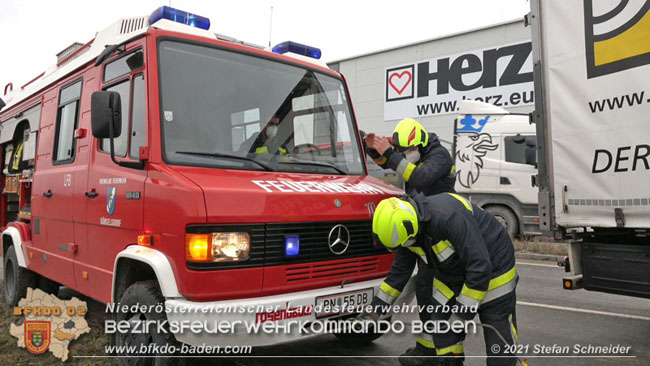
[
  {"x": 16, "y": 278},
  {"x": 145, "y": 293},
  {"x": 506, "y": 217}
]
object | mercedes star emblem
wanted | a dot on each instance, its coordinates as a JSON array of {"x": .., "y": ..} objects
[{"x": 339, "y": 239}]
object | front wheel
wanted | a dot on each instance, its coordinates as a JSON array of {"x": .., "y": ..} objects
[
  {"x": 146, "y": 340},
  {"x": 16, "y": 278}
]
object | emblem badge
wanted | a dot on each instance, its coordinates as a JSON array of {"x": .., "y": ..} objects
[
  {"x": 339, "y": 239},
  {"x": 110, "y": 200},
  {"x": 37, "y": 336}
]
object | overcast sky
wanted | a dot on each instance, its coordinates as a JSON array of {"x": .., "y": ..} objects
[{"x": 34, "y": 31}]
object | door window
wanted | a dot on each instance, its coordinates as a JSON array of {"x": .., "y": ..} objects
[{"x": 67, "y": 118}]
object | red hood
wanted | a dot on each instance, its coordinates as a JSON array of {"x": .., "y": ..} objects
[{"x": 236, "y": 196}]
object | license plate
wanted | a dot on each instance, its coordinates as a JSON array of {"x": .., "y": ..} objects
[{"x": 339, "y": 304}]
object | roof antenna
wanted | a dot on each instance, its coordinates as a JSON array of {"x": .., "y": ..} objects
[{"x": 270, "y": 25}]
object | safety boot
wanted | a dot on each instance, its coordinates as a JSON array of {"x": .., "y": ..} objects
[
  {"x": 451, "y": 361},
  {"x": 418, "y": 356}
]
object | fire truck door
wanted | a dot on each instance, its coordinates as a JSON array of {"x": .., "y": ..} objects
[
  {"x": 60, "y": 162},
  {"x": 114, "y": 194}
]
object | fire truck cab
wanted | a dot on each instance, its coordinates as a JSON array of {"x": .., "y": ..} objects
[{"x": 163, "y": 163}]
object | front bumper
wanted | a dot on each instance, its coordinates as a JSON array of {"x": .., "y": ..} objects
[{"x": 242, "y": 314}]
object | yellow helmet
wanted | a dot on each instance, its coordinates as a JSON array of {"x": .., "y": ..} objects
[
  {"x": 409, "y": 133},
  {"x": 394, "y": 222}
]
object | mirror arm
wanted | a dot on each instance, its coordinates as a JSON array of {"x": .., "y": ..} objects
[{"x": 127, "y": 164}]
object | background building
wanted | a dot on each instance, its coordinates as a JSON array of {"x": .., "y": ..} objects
[{"x": 426, "y": 80}]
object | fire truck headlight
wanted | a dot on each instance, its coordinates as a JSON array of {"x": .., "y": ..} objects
[
  {"x": 217, "y": 247},
  {"x": 233, "y": 246}
]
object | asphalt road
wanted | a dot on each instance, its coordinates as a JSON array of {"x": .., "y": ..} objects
[{"x": 547, "y": 315}]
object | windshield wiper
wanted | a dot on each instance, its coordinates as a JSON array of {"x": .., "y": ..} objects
[
  {"x": 220, "y": 155},
  {"x": 316, "y": 163}
]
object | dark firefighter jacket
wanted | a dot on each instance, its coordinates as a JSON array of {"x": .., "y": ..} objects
[
  {"x": 434, "y": 173},
  {"x": 468, "y": 248},
  {"x": 257, "y": 144}
]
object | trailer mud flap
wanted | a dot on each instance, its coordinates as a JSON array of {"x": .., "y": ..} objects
[{"x": 616, "y": 268}]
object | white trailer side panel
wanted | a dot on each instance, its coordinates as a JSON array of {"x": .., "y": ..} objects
[{"x": 596, "y": 75}]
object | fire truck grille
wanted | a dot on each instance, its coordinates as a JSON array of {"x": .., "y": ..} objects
[
  {"x": 268, "y": 242},
  {"x": 306, "y": 272},
  {"x": 314, "y": 244}
]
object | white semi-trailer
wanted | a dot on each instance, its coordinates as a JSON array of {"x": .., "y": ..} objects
[{"x": 592, "y": 102}]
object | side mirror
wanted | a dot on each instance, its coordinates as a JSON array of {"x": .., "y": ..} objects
[
  {"x": 106, "y": 121},
  {"x": 106, "y": 114}
]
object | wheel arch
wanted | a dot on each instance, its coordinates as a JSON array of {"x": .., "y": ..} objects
[
  {"x": 12, "y": 235},
  {"x": 137, "y": 263}
]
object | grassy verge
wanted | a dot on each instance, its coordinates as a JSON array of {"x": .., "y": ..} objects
[{"x": 541, "y": 245}]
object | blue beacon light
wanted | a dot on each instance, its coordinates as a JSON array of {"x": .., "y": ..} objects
[
  {"x": 179, "y": 16},
  {"x": 297, "y": 48}
]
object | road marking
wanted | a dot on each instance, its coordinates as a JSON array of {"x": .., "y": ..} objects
[
  {"x": 539, "y": 265},
  {"x": 606, "y": 313}
]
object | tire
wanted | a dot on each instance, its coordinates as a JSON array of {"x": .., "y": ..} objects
[
  {"x": 47, "y": 285},
  {"x": 506, "y": 217},
  {"x": 16, "y": 278},
  {"x": 145, "y": 293}
]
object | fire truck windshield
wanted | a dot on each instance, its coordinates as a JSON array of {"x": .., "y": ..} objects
[{"x": 232, "y": 110}]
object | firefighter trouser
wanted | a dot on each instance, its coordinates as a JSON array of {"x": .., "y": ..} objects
[
  {"x": 499, "y": 313},
  {"x": 423, "y": 293}
]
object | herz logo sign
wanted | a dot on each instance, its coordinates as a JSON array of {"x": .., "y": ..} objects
[
  {"x": 501, "y": 75},
  {"x": 399, "y": 83},
  {"x": 617, "y": 36}
]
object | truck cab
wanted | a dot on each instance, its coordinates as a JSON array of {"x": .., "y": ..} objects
[
  {"x": 164, "y": 163},
  {"x": 495, "y": 157}
]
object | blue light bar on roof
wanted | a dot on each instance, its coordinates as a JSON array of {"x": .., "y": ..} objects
[
  {"x": 179, "y": 16},
  {"x": 297, "y": 48}
]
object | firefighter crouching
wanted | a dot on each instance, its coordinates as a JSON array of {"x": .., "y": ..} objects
[
  {"x": 426, "y": 168},
  {"x": 474, "y": 266}
]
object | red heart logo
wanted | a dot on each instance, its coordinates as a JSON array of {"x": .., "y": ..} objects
[{"x": 399, "y": 78}]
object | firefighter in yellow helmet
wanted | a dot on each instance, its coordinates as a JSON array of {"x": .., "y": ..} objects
[
  {"x": 426, "y": 167},
  {"x": 417, "y": 156},
  {"x": 474, "y": 267}
]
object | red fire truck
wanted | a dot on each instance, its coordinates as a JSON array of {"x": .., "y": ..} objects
[{"x": 161, "y": 162}]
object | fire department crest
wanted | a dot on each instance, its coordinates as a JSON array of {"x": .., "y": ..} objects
[
  {"x": 50, "y": 324},
  {"x": 37, "y": 336},
  {"x": 110, "y": 200}
]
